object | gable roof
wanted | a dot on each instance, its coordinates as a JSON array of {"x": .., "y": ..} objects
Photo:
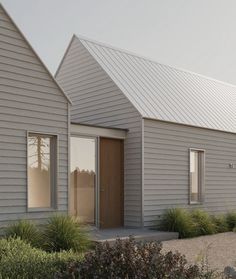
[
  {"x": 3, "y": 10},
  {"x": 165, "y": 93}
]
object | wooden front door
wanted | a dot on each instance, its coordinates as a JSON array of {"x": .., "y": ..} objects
[{"x": 111, "y": 183}]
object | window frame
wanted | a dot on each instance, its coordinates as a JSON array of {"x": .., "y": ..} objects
[
  {"x": 53, "y": 173},
  {"x": 201, "y": 176}
]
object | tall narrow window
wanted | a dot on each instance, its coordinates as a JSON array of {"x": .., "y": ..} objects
[
  {"x": 196, "y": 175},
  {"x": 83, "y": 178},
  {"x": 41, "y": 170}
]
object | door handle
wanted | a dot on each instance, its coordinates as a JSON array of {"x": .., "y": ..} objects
[{"x": 102, "y": 190}]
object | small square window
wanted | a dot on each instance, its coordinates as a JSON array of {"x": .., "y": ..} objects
[
  {"x": 42, "y": 170},
  {"x": 197, "y": 173}
]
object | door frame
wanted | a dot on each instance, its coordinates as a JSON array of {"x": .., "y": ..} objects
[
  {"x": 122, "y": 178},
  {"x": 97, "y": 170},
  {"x": 97, "y": 205},
  {"x": 96, "y": 132}
]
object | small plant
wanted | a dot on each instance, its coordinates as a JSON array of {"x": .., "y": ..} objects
[
  {"x": 65, "y": 233},
  {"x": 203, "y": 263},
  {"x": 26, "y": 231},
  {"x": 231, "y": 220},
  {"x": 220, "y": 223},
  {"x": 178, "y": 220},
  {"x": 202, "y": 222},
  {"x": 131, "y": 260}
]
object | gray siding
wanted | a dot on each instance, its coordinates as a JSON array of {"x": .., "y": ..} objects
[
  {"x": 29, "y": 101},
  {"x": 98, "y": 101},
  {"x": 166, "y": 170}
]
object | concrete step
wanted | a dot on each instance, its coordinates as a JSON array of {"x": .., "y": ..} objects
[{"x": 111, "y": 235}]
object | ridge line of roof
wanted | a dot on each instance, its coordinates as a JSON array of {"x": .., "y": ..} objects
[{"x": 84, "y": 38}]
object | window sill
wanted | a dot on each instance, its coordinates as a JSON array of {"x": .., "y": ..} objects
[
  {"x": 43, "y": 209},
  {"x": 195, "y": 203}
]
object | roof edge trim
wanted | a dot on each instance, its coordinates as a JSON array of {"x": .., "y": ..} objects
[
  {"x": 64, "y": 56},
  {"x": 189, "y": 125}
]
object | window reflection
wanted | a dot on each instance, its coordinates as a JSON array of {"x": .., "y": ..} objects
[
  {"x": 196, "y": 174},
  {"x": 83, "y": 176},
  {"x": 39, "y": 186}
]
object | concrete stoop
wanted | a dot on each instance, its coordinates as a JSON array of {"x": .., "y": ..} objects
[{"x": 111, "y": 235}]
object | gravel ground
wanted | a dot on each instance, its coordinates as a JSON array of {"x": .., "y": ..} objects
[{"x": 220, "y": 249}]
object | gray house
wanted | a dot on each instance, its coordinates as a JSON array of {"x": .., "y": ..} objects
[
  {"x": 34, "y": 129},
  {"x": 177, "y": 128},
  {"x": 139, "y": 137}
]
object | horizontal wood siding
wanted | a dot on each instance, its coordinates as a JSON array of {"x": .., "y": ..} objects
[
  {"x": 166, "y": 171},
  {"x": 98, "y": 101},
  {"x": 29, "y": 101}
]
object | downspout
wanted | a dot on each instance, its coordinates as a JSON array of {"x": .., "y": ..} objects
[
  {"x": 142, "y": 174},
  {"x": 68, "y": 179}
]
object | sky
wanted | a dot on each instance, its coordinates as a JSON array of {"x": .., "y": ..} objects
[{"x": 196, "y": 35}]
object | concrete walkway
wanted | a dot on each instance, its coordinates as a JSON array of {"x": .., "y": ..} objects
[{"x": 111, "y": 235}]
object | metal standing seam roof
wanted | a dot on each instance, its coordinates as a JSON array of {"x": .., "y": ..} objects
[{"x": 165, "y": 93}]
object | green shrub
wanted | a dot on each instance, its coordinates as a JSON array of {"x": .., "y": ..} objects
[
  {"x": 26, "y": 231},
  {"x": 18, "y": 260},
  {"x": 64, "y": 233},
  {"x": 178, "y": 220},
  {"x": 231, "y": 220},
  {"x": 130, "y": 260},
  {"x": 203, "y": 224},
  {"x": 220, "y": 223}
]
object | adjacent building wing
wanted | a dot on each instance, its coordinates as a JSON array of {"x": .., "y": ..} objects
[{"x": 164, "y": 93}]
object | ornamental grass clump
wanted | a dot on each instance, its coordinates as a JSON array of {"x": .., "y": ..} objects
[
  {"x": 26, "y": 231},
  {"x": 203, "y": 224},
  {"x": 178, "y": 220},
  {"x": 231, "y": 220},
  {"x": 196, "y": 222},
  {"x": 220, "y": 223},
  {"x": 64, "y": 232}
]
